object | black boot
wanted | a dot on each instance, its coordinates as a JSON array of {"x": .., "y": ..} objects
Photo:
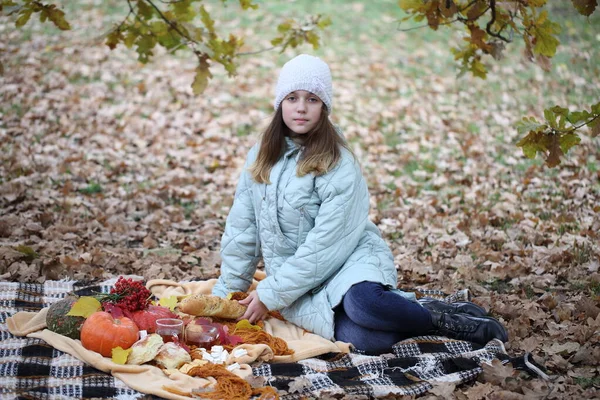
[
  {"x": 459, "y": 307},
  {"x": 465, "y": 327}
]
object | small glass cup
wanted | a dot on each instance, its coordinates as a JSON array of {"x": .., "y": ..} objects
[
  {"x": 204, "y": 336},
  {"x": 170, "y": 329}
]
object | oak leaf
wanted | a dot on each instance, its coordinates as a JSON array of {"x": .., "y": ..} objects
[
  {"x": 202, "y": 76},
  {"x": 443, "y": 390},
  {"x": 497, "y": 373},
  {"x": 479, "y": 391},
  {"x": 555, "y": 152},
  {"x": 585, "y": 7}
]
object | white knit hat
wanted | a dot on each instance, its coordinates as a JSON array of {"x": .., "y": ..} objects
[{"x": 305, "y": 72}]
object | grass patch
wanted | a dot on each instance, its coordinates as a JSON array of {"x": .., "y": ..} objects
[
  {"x": 587, "y": 382},
  {"x": 500, "y": 286},
  {"x": 91, "y": 189},
  {"x": 28, "y": 253}
]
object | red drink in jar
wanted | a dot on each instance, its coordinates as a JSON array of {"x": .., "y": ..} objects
[
  {"x": 169, "y": 329},
  {"x": 204, "y": 336}
]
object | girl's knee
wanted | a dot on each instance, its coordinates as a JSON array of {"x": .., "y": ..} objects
[
  {"x": 370, "y": 341},
  {"x": 364, "y": 297},
  {"x": 364, "y": 292}
]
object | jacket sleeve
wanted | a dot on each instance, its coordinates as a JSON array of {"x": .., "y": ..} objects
[
  {"x": 339, "y": 225},
  {"x": 239, "y": 255}
]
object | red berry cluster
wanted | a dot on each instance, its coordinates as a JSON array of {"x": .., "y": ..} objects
[{"x": 131, "y": 295}]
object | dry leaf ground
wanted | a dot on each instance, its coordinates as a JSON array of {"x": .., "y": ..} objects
[{"x": 111, "y": 167}]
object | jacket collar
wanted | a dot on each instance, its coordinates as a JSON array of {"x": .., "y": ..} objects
[{"x": 291, "y": 146}]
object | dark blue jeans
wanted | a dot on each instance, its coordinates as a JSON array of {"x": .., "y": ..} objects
[{"x": 373, "y": 318}]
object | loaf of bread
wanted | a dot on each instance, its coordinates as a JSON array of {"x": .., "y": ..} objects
[{"x": 202, "y": 305}]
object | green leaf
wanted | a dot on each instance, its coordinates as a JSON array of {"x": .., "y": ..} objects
[
  {"x": 578, "y": 116},
  {"x": 130, "y": 37},
  {"x": 284, "y": 27},
  {"x": 324, "y": 22},
  {"x": 277, "y": 41},
  {"x": 202, "y": 76},
  {"x": 208, "y": 22},
  {"x": 183, "y": 11},
  {"x": 533, "y": 143},
  {"x": 7, "y": 4},
  {"x": 543, "y": 17},
  {"x": 478, "y": 69},
  {"x": 415, "y": 5},
  {"x": 165, "y": 36},
  {"x": 113, "y": 39},
  {"x": 145, "y": 44},
  {"x": 246, "y": 4},
  {"x": 530, "y": 124},
  {"x": 545, "y": 39},
  {"x": 24, "y": 16},
  {"x": 27, "y": 251},
  {"x": 562, "y": 114},
  {"x": 313, "y": 39},
  {"x": 585, "y": 7},
  {"x": 556, "y": 117},
  {"x": 567, "y": 141},
  {"x": 144, "y": 10},
  {"x": 58, "y": 18}
]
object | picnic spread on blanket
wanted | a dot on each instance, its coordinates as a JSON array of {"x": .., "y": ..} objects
[{"x": 272, "y": 359}]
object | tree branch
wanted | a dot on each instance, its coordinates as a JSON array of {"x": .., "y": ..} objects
[
  {"x": 168, "y": 21},
  {"x": 249, "y": 53},
  {"x": 427, "y": 25},
  {"x": 488, "y": 27},
  {"x": 132, "y": 11},
  {"x": 585, "y": 123}
]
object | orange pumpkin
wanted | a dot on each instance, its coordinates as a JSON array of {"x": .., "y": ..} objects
[{"x": 102, "y": 333}]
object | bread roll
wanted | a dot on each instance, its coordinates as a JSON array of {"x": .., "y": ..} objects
[
  {"x": 202, "y": 305},
  {"x": 145, "y": 349},
  {"x": 172, "y": 356}
]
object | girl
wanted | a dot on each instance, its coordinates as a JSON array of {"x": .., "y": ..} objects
[{"x": 302, "y": 205}]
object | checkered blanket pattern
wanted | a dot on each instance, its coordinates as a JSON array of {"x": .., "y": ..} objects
[
  {"x": 31, "y": 369},
  {"x": 412, "y": 368}
]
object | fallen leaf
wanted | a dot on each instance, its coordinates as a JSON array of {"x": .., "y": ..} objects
[
  {"x": 443, "y": 389},
  {"x": 497, "y": 373},
  {"x": 119, "y": 356},
  {"x": 85, "y": 306},
  {"x": 169, "y": 302}
]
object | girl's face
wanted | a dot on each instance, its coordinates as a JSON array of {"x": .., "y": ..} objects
[{"x": 301, "y": 111}]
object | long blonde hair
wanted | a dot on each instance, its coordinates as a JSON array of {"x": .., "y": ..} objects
[{"x": 321, "y": 152}]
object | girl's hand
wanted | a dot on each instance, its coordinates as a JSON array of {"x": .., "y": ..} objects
[{"x": 256, "y": 311}]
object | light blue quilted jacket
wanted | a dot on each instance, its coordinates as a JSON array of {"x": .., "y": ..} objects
[{"x": 314, "y": 235}]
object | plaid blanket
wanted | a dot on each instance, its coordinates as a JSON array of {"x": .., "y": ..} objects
[{"x": 30, "y": 368}]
